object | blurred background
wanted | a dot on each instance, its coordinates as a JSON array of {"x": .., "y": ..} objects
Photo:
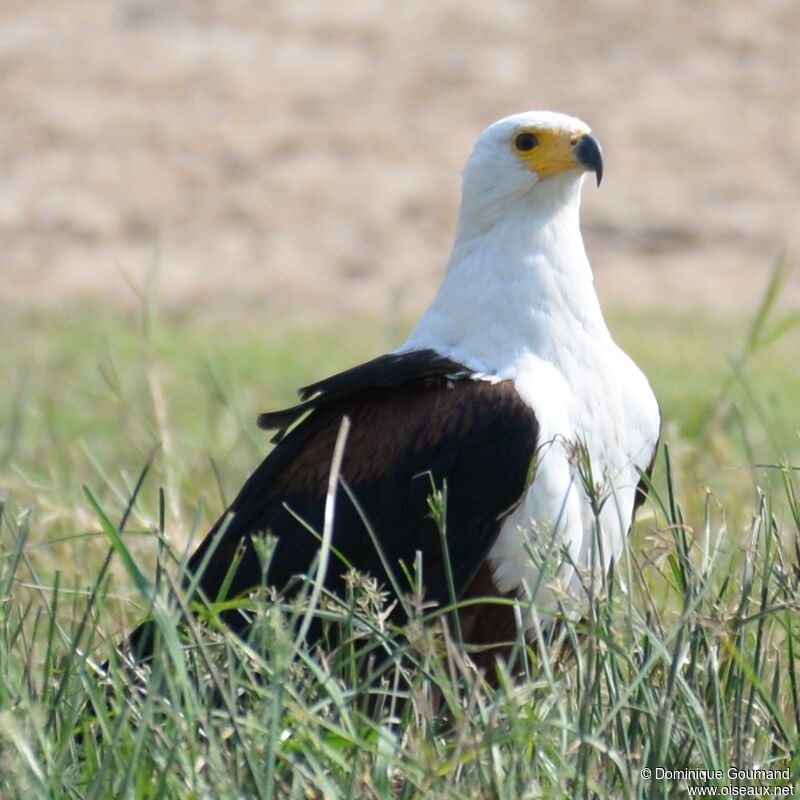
[
  {"x": 303, "y": 159},
  {"x": 207, "y": 203}
]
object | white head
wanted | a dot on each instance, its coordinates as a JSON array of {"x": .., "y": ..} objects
[
  {"x": 540, "y": 156},
  {"x": 518, "y": 251}
]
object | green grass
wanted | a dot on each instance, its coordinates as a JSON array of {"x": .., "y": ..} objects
[{"x": 688, "y": 661}]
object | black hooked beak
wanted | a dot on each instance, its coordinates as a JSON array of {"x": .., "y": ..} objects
[{"x": 590, "y": 155}]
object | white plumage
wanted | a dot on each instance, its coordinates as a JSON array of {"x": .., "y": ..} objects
[
  {"x": 509, "y": 377},
  {"x": 518, "y": 302}
]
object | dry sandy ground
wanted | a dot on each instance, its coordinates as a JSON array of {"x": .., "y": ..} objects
[{"x": 305, "y": 156}]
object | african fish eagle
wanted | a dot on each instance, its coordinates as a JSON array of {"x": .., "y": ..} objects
[{"x": 509, "y": 390}]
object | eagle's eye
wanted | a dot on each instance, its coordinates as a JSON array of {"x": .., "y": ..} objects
[{"x": 525, "y": 142}]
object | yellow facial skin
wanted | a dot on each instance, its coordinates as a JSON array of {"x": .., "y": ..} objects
[{"x": 553, "y": 151}]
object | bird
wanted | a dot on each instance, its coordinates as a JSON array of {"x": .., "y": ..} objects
[{"x": 509, "y": 397}]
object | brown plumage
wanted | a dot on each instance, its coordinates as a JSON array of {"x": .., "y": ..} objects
[{"x": 417, "y": 422}]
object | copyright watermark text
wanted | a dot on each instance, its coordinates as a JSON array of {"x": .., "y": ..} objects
[{"x": 733, "y": 782}]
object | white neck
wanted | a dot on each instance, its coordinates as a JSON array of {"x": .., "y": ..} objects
[{"x": 518, "y": 282}]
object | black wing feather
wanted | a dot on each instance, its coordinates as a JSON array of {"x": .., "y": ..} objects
[
  {"x": 386, "y": 371},
  {"x": 417, "y": 420}
]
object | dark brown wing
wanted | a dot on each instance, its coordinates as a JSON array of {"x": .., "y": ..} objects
[
  {"x": 433, "y": 424},
  {"x": 393, "y": 369},
  {"x": 642, "y": 487},
  {"x": 416, "y": 421}
]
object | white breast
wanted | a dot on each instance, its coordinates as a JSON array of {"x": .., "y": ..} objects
[
  {"x": 518, "y": 302},
  {"x": 599, "y": 424}
]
